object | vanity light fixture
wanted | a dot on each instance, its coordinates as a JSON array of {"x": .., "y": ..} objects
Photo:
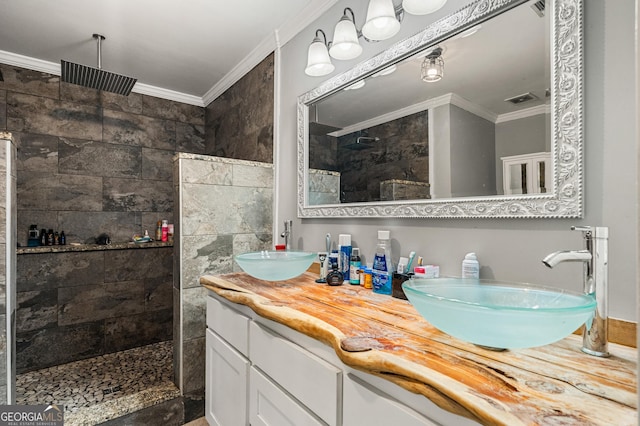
[
  {"x": 318, "y": 60},
  {"x": 382, "y": 21},
  {"x": 433, "y": 66},
  {"x": 422, "y": 7},
  {"x": 345, "y": 43}
]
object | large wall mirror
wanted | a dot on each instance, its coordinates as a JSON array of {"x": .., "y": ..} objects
[{"x": 498, "y": 135}]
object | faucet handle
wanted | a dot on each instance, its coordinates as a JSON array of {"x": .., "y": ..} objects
[{"x": 592, "y": 231}]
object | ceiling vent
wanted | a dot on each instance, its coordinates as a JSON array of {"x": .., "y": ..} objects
[
  {"x": 525, "y": 97},
  {"x": 539, "y": 7}
]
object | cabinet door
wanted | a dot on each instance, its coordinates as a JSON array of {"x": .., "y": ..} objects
[
  {"x": 270, "y": 406},
  {"x": 308, "y": 378},
  {"x": 362, "y": 405},
  {"x": 527, "y": 174},
  {"x": 227, "y": 373}
]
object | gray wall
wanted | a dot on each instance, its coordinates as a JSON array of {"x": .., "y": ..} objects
[
  {"x": 473, "y": 156},
  {"x": 522, "y": 136},
  {"x": 611, "y": 193}
]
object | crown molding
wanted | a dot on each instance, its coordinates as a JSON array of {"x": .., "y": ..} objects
[
  {"x": 524, "y": 113},
  {"x": 260, "y": 52},
  {"x": 449, "y": 98},
  {"x": 53, "y": 68},
  {"x": 172, "y": 95},
  {"x": 27, "y": 62}
]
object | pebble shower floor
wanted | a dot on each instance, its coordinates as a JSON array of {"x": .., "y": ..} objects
[{"x": 105, "y": 387}]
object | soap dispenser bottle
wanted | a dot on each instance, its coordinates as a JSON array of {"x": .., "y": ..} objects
[{"x": 382, "y": 265}]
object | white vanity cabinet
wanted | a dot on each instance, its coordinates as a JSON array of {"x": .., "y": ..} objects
[
  {"x": 227, "y": 366},
  {"x": 262, "y": 373}
]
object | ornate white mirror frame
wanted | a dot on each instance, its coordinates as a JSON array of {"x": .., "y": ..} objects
[{"x": 566, "y": 200}]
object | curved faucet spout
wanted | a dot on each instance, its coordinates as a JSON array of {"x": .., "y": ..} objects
[
  {"x": 595, "y": 283},
  {"x": 567, "y": 256}
]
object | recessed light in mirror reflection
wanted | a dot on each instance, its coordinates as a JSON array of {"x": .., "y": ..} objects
[{"x": 356, "y": 85}]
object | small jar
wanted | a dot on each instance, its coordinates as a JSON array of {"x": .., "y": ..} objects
[{"x": 368, "y": 278}]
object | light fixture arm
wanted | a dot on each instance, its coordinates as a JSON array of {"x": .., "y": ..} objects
[
  {"x": 328, "y": 44},
  {"x": 353, "y": 15}
]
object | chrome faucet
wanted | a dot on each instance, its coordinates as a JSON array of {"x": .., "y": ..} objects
[
  {"x": 286, "y": 234},
  {"x": 595, "y": 260}
]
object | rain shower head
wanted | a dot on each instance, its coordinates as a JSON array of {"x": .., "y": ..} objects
[{"x": 96, "y": 78}]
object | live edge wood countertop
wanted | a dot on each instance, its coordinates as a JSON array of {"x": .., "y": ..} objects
[{"x": 549, "y": 385}]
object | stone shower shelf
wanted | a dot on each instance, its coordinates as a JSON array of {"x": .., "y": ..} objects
[{"x": 91, "y": 247}]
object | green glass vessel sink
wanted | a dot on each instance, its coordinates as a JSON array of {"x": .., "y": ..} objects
[
  {"x": 275, "y": 265},
  {"x": 500, "y": 315}
]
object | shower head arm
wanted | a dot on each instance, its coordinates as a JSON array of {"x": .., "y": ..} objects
[{"x": 99, "y": 39}]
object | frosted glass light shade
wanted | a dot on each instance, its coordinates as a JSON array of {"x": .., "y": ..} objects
[
  {"x": 381, "y": 22},
  {"x": 422, "y": 7},
  {"x": 318, "y": 60},
  {"x": 345, "y": 40}
]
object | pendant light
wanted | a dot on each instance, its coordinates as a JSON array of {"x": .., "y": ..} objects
[
  {"x": 345, "y": 44},
  {"x": 381, "y": 22},
  {"x": 433, "y": 66},
  {"x": 318, "y": 60},
  {"x": 422, "y": 7}
]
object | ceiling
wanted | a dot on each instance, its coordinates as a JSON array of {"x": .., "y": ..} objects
[{"x": 186, "y": 50}]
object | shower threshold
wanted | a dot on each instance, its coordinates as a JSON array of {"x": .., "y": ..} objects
[{"x": 95, "y": 390}]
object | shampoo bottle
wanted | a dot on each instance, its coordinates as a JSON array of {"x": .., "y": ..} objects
[{"x": 382, "y": 265}]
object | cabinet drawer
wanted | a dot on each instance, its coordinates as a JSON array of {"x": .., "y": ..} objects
[
  {"x": 311, "y": 380},
  {"x": 227, "y": 373},
  {"x": 270, "y": 406},
  {"x": 229, "y": 324},
  {"x": 365, "y": 405}
]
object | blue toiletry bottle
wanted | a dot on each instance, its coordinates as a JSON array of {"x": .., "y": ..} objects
[
  {"x": 344, "y": 241},
  {"x": 382, "y": 265}
]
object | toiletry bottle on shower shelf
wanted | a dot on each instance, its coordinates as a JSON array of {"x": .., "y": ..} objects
[
  {"x": 164, "y": 231},
  {"x": 382, "y": 265}
]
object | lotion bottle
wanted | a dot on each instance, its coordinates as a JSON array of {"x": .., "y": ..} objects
[{"x": 470, "y": 266}]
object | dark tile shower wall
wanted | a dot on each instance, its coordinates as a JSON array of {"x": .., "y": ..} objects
[
  {"x": 401, "y": 153},
  {"x": 92, "y": 162},
  {"x": 239, "y": 123},
  {"x": 77, "y": 305}
]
